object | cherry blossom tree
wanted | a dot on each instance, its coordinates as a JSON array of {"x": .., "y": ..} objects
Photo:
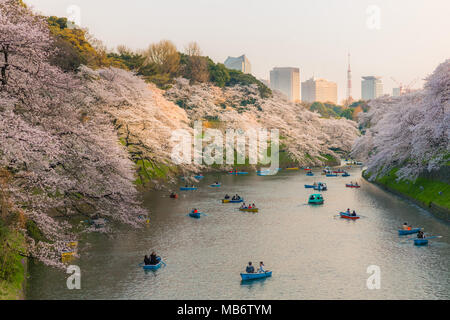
[{"x": 411, "y": 132}]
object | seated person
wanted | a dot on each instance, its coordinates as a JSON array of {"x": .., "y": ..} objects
[
  {"x": 405, "y": 226},
  {"x": 261, "y": 267},
  {"x": 420, "y": 235},
  {"x": 154, "y": 258},
  {"x": 146, "y": 260},
  {"x": 250, "y": 268},
  {"x": 354, "y": 213},
  {"x": 227, "y": 196}
]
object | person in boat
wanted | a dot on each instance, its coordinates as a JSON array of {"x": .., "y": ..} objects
[
  {"x": 261, "y": 267},
  {"x": 253, "y": 205},
  {"x": 405, "y": 226},
  {"x": 356, "y": 184},
  {"x": 186, "y": 186},
  {"x": 227, "y": 197},
  {"x": 234, "y": 198},
  {"x": 250, "y": 268},
  {"x": 238, "y": 197},
  {"x": 146, "y": 260},
  {"x": 249, "y": 206},
  {"x": 420, "y": 235},
  {"x": 312, "y": 198},
  {"x": 194, "y": 210},
  {"x": 348, "y": 210},
  {"x": 153, "y": 258},
  {"x": 354, "y": 213}
]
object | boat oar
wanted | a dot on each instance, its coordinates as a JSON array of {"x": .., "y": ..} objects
[{"x": 204, "y": 214}]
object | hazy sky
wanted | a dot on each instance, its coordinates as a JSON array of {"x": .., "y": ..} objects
[{"x": 412, "y": 39}]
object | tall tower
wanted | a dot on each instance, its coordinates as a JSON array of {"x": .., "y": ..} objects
[{"x": 349, "y": 81}]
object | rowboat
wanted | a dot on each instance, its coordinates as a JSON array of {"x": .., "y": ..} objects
[
  {"x": 345, "y": 215},
  {"x": 346, "y": 174},
  {"x": 188, "y": 188},
  {"x": 348, "y": 185},
  {"x": 315, "y": 199},
  {"x": 249, "y": 210},
  {"x": 258, "y": 275},
  {"x": 67, "y": 253},
  {"x": 232, "y": 201},
  {"x": 320, "y": 187},
  {"x": 309, "y": 186},
  {"x": 237, "y": 173},
  {"x": 331, "y": 175},
  {"x": 402, "y": 232},
  {"x": 152, "y": 266},
  {"x": 195, "y": 215},
  {"x": 216, "y": 185},
  {"x": 420, "y": 242},
  {"x": 295, "y": 168},
  {"x": 198, "y": 177},
  {"x": 310, "y": 173}
]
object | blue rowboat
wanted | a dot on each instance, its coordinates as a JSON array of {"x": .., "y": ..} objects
[
  {"x": 253, "y": 276},
  {"x": 420, "y": 242},
  {"x": 404, "y": 232},
  {"x": 310, "y": 174},
  {"x": 309, "y": 186},
  {"x": 195, "y": 215},
  {"x": 315, "y": 199},
  {"x": 237, "y": 173},
  {"x": 216, "y": 185},
  {"x": 188, "y": 188},
  {"x": 346, "y": 175},
  {"x": 331, "y": 175},
  {"x": 198, "y": 177},
  {"x": 153, "y": 266}
]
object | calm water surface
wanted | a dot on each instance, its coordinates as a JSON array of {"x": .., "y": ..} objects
[{"x": 313, "y": 254}]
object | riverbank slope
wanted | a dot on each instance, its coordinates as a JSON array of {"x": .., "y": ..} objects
[{"x": 427, "y": 191}]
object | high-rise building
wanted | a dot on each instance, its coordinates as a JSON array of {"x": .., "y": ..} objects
[
  {"x": 286, "y": 80},
  {"x": 371, "y": 88},
  {"x": 240, "y": 63},
  {"x": 320, "y": 90},
  {"x": 396, "y": 92}
]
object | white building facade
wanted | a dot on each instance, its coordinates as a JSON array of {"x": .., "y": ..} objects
[
  {"x": 371, "y": 87},
  {"x": 286, "y": 80}
]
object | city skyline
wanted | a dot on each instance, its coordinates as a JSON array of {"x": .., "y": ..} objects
[{"x": 400, "y": 39}]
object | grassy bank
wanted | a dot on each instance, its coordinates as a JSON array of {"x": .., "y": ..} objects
[
  {"x": 431, "y": 194},
  {"x": 12, "y": 264}
]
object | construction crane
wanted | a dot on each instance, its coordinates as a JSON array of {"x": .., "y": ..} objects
[{"x": 405, "y": 89}]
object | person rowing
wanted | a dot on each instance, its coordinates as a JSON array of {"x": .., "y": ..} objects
[
  {"x": 227, "y": 197},
  {"x": 250, "y": 268},
  {"x": 354, "y": 213},
  {"x": 146, "y": 260},
  {"x": 194, "y": 210},
  {"x": 420, "y": 235},
  {"x": 406, "y": 227},
  {"x": 348, "y": 210},
  {"x": 153, "y": 258}
]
